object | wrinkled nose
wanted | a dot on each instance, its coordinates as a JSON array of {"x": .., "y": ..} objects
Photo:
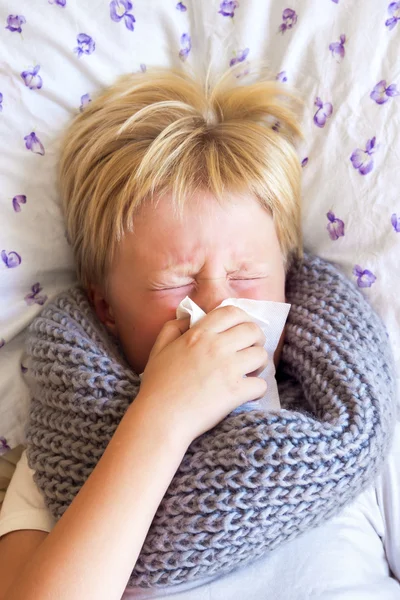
[{"x": 211, "y": 292}]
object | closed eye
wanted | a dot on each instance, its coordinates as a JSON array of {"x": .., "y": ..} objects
[
  {"x": 248, "y": 278},
  {"x": 177, "y": 287}
]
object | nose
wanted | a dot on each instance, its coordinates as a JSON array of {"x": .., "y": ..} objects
[{"x": 210, "y": 293}]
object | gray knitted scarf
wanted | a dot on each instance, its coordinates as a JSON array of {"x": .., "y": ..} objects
[{"x": 257, "y": 479}]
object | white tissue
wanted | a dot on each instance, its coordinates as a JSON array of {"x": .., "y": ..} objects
[{"x": 271, "y": 317}]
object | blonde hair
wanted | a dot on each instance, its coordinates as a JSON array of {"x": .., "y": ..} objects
[{"x": 163, "y": 131}]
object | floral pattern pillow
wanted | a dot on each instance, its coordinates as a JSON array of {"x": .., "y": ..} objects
[{"x": 342, "y": 55}]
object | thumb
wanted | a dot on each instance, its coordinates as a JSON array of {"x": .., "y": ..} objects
[{"x": 171, "y": 331}]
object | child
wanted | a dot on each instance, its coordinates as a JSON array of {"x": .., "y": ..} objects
[{"x": 168, "y": 192}]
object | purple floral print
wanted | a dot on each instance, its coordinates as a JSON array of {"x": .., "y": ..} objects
[
  {"x": 227, "y": 8},
  {"x": 14, "y": 22},
  {"x": 335, "y": 226},
  {"x": 289, "y": 18},
  {"x": 395, "y": 220},
  {"x": 381, "y": 94},
  {"x": 85, "y": 99},
  {"x": 1, "y": 102},
  {"x": 281, "y": 77},
  {"x": 17, "y": 201},
  {"x": 394, "y": 12},
  {"x": 11, "y": 259},
  {"x": 180, "y": 6},
  {"x": 304, "y": 162},
  {"x": 186, "y": 46},
  {"x": 33, "y": 143},
  {"x": 337, "y": 48},
  {"x": 119, "y": 9},
  {"x": 364, "y": 278},
  {"x": 361, "y": 159},
  {"x": 31, "y": 78},
  {"x": 240, "y": 56},
  {"x": 58, "y": 2},
  {"x": 86, "y": 45},
  {"x": 34, "y": 296},
  {"x": 243, "y": 73},
  {"x": 2, "y": 342},
  {"x": 4, "y": 447},
  {"x": 323, "y": 113}
]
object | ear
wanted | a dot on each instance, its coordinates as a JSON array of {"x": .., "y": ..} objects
[{"x": 102, "y": 308}]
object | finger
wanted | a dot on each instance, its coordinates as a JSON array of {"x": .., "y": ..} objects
[
  {"x": 251, "y": 388},
  {"x": 257, "y": 372},
  {"x": 170, "y": 332},
  {"x": 251, "y": 359},
  {"x": 243, "y": 336},
  {"x": 223, "y": 318}
]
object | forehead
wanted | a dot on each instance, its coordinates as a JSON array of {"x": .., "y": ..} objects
[{"x": 239, "y": 228}]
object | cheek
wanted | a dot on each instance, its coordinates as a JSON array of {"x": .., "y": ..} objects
[
  {"x": 272, "y": 289},
  {"x": 138, "y": 327}
]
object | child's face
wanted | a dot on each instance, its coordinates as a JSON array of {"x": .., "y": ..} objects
[{"x": 215, "y": 252}]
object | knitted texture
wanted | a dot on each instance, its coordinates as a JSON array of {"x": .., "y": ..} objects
[{"x": 257, "y": 479}]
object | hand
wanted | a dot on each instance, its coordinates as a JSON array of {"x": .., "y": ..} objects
[{"x": 195, "y": 377}]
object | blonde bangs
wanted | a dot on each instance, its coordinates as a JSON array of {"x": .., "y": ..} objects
[{"x": 161, "y": 131}]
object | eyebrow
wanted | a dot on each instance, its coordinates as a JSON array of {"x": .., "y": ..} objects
[
  {"x": 180, "y": 267},
  {"x": 189, "y": 268}
]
